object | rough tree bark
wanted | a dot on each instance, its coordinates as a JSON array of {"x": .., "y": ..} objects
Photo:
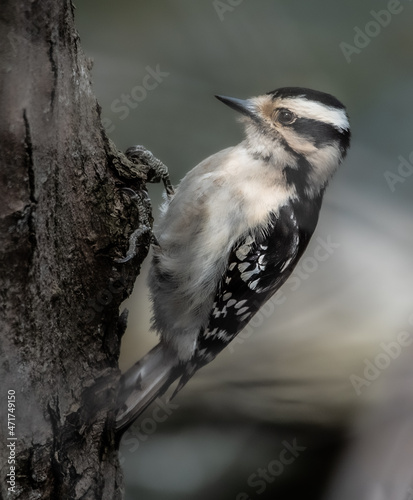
[{"x": 63, "y": 219}]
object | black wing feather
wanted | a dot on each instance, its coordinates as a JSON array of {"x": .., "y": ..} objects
[{"x": 256, "y": 270}]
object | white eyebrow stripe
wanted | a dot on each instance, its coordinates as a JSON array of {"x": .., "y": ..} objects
[{"x": 317, "y": 111}]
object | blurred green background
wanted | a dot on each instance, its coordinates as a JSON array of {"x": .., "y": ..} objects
[{"x": 291, "y": 377}]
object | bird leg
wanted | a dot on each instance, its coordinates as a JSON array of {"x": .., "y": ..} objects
[{"x": 155, "y": 171}]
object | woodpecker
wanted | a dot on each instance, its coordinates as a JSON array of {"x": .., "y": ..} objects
[{"x": 232, "y": 233}]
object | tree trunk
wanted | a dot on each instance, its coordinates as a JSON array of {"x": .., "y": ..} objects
[{"x": 63, "y": 220}]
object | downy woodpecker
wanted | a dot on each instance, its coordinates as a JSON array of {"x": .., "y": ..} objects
[{"x": 232, "y": 233}]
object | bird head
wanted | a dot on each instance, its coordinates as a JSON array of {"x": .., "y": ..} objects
[{"x": 304, "y": 132}]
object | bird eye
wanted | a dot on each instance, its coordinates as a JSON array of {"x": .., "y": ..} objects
[{"x": 285, "y": 116}]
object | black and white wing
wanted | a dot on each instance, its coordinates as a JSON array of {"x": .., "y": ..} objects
[{"x": 257, "y": 268}]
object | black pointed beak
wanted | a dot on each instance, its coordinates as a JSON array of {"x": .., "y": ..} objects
[{"x": 242, "y": 106}]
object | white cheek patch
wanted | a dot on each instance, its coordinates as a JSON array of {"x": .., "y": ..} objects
[
  {"x": 317, "y": 111},
  {"x": 297, "y": 142},
  {"x": 324, "y": 161}
]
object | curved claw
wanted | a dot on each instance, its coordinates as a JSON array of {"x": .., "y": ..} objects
[
  {"x": 158, "y": 171},
  {"x": 139, "y": 198},
  {"x": 133, "y": 244},
  {"x": 134, "y": 194}
]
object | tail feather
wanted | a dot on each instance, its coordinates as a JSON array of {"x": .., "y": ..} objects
[{"x": 146, "y": 380}]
